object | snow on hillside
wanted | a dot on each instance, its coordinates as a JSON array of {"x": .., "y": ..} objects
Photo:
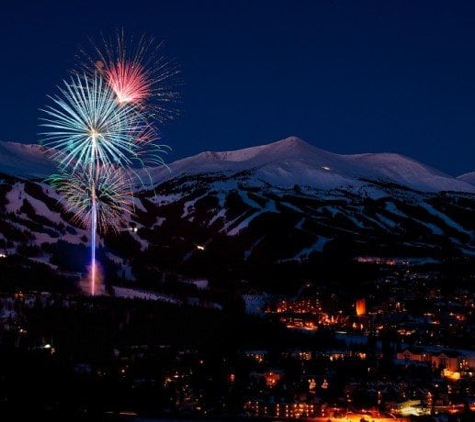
[
  {"x": 468, "y": 178},
  {"x": 255, "y": 303},
  {"x": 284, "y": 163},
  {"x": 30, "y": 161},
  {"x": 292, "y": 161},
  {"x": 142, "y": 294},
  {"x": 15, "y": 199}
]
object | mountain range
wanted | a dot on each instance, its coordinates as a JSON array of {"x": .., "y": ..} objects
[{"x": 249, "y": 212}]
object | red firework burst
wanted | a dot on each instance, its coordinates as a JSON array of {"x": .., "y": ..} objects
[
  {"x": 130, "y": 82},
  {"x": 138, "y": 72}
]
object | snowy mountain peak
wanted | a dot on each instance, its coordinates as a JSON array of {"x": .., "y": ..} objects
[
  {"x": 292, "y": 161},
  {"x": 468, "y": 177},
  {"x": 284, "y": 163},
  {"x": 288, "y": 145},
  {"x": 291, "y": 145},
  {"x": 25, "y": 160}
]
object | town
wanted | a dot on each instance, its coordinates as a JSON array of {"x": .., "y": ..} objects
[{"x": 400, "y": 347}]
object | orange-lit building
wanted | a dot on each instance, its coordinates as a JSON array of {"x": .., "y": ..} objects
[{"x": 361, "y": 307}]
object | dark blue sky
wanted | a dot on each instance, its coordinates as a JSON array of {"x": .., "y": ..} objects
[{"x": 346, "y": 76}]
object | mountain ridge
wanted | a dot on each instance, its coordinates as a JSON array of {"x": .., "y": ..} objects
[
  {"x": 278, "y": 162},
  {"x": 252, "y": 212},
  {"x": 285, "y": 162}
]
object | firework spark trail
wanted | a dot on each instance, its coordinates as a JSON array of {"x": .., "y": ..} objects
[{"x": 93, "y": 243}]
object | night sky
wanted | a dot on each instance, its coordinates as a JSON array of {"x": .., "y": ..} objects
[{"x": 346, "y": 76}]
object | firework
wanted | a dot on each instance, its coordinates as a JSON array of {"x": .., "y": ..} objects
[
  {"x": 138, "y": 72},
  {"x": 98, "y": 197},
  {"x": 86, "y": 124},
  {"x": 99, "y": 129},
  {"x": 93, "y": 137}
]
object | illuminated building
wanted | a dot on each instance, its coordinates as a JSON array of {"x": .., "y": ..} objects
[{"x": 360, "y": 307}]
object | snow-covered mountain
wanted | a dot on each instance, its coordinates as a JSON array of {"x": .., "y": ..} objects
[
  {"x": 247, "y": 212},
  {"x": 30, "y": 161},
  {"x": 292, "y": 161},
  {"x": 284, "y": 163},
  {"x": 468, "y": 177}
]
